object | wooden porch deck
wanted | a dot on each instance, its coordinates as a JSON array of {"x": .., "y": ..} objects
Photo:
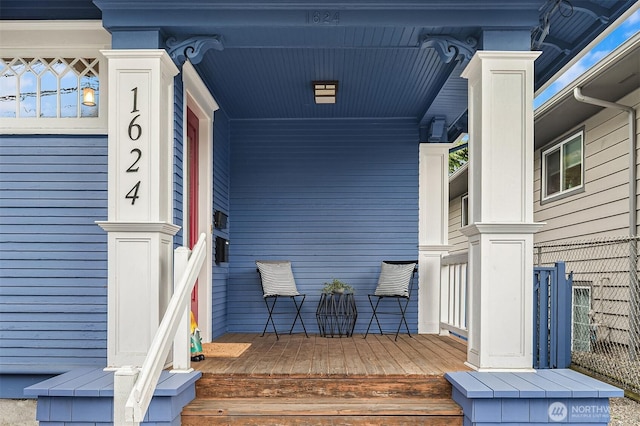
[
  {"x": 325, "y": 381},
  {"x": 377, "y": 355}
]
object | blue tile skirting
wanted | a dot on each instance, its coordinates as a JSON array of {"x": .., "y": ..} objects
[
  {"x": 85, "y": 396},
  {"x": 537, "y": 398}
]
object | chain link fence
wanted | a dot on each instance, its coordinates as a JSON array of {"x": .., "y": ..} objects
[{"x": 605, "y": 317}]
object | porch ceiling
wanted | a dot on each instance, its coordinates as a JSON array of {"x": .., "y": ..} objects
[{"x": 273, "y": 50}]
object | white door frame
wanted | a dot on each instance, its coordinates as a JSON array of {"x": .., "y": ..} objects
[{"x": 198, "y": 99}]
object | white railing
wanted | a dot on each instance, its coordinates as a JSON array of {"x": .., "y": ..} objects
[
  {"x": 453, "y": 294},
  {"x": 142, "y": 388}
]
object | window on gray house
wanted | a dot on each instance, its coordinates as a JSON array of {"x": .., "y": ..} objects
[
  {"x": 580, "y": 324},
  {"x": 464, "y": 209},
  {"x": 562, "y": 170}
]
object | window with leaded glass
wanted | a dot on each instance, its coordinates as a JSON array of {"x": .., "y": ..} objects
[
  {"x": 53, "y": 78},
  {"x": 49, "y": 87}
]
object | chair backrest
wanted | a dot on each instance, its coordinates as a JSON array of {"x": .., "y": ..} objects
[
  {"x": 276, "y": 278},
  {"x": 396, "y": 278}
]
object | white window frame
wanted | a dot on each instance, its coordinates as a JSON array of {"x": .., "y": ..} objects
[
  {"x": 573, "y": 298},
  {"x": 26, "y": 39},
  {"x": 464, "y": 210},
  {"x": 560, "y": 146}
]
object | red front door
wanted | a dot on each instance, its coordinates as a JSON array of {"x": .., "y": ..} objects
[{"x": 192, "y": 188}]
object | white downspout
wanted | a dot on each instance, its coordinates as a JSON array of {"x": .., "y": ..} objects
[
  {"x": 577, "y": 93},
  {"x": 634, "y": 288}
]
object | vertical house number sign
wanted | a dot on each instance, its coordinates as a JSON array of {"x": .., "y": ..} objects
[{"x": 134, "y": 132}]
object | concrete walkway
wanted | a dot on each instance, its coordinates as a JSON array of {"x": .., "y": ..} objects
[{"x": 18, "y": 412}]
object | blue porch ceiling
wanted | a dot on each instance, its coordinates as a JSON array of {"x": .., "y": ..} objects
[
  {"x": 372, "y": 82},
  {"x": 273, "y": 50}
]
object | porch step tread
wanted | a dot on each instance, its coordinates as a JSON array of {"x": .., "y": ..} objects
[{"x": 321, "y": 407}]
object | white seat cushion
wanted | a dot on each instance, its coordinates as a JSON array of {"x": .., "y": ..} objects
[
  {"x": 277, "y": 278},
  {"x": 394, "y": 279}
]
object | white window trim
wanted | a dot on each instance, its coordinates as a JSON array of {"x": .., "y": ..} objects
[
  {"x": 543, "y": 180},
  {"x": 57, "y": 38},
  {"x": 573, "y": 294},
  {"x": 464, "y": 216}
]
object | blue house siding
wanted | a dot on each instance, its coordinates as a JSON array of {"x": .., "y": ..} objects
[
  {"x": 178, "y": 150},
  {"x": 53, "y": 257},
  {"x": 221, "y": 158},
  {"x": 336, "y": 197}
]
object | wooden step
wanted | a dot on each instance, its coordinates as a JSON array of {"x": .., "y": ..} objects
[
  {"x": 247, "y": 386},
  {"x": 321, "y": 411}
]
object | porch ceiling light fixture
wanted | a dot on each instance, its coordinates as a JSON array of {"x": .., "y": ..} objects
[
  {"x": 325, "y": 91},
  {"x": 89, "y": 96}
]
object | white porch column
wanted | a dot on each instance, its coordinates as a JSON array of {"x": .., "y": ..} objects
[
  {"x": 501, "y": 210},
  {"x": 140, "y": 241},
  {"x": 433, "y": 234}
]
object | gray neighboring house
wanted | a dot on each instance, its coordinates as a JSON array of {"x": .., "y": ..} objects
[
  {"x": 585, "y": 191},
  {"x": 592, "y": 199}
]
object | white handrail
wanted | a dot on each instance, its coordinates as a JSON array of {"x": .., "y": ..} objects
[
  {"x": 453, "y": 294},
  {"x": 142, "y": 392}
]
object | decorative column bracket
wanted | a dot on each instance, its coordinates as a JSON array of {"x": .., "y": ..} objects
[
  {"x": 193, "y": 48},
  {"x": 450, "y": 48}
]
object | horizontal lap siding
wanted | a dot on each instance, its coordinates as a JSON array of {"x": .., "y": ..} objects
[
  {"x": 221, "y": 156},
  {"x": 178, "y": 150},
  {"x": 600, "y": 211},
  {"x": 602, "y": 208},
  {"x": 336, "y": 197},
  {"x": 53, "y": 257}
]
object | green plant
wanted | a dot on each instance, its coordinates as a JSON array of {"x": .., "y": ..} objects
[{"x": 337, "y": 286}]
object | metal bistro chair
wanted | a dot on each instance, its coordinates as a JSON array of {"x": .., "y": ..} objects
[
  {"x": 395, "y": 282},
  {"x": 277, "y": 281}
]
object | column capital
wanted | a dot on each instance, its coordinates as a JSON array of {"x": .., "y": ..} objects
[
  {"x": 161, "y": 227},
  {"x": 484, "y": 56},
  {"x": 160, "y": 54},
  {"x": 501, "y": 228}
]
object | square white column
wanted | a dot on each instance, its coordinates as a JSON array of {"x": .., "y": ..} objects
[
  {"x": 433, "y": 234},
  {"x": 140, "y": 164},
  {"x": 501, "y": 210}
]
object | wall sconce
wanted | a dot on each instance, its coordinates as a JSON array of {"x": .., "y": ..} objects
[
  {"x": 438, "y": 130},
  {"x": 88, "y": 96},
  {"x": 325, "y": 91}
]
